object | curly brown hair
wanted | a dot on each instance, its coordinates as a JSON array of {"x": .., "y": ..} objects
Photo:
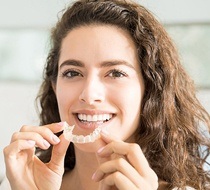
[{"x": 169, "y": 131}]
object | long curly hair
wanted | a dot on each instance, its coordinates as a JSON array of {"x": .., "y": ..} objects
[{"x": 169, "y": 132}]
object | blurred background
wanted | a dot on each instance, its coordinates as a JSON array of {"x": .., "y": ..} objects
[{"x": 24, "y": 43}]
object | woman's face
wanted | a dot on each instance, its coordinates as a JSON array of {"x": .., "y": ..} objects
[{"x": 99, "y": 81}]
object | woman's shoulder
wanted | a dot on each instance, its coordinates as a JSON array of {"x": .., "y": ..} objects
[{"x": 5, "y": 184}]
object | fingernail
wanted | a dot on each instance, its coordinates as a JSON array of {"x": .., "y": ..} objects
[
  {"x": 97, "y": 176},
  {"x": 61, "y": 123},
  {"x": 46, "y": 144},
  {"x": 104, "y": 131},
  {"x": 55, "y": 139},
  {"x": 100, "y": 150},
  {"x": 31, "y": 142},
  {"x": 93, "y": 176}
]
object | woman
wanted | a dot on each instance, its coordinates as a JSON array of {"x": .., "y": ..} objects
[{"x": 112, "y": 66}]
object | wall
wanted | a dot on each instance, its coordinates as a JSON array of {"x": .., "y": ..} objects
[
  {"x": 16, "y": 109},
  {"x": 43, "y": 14}
]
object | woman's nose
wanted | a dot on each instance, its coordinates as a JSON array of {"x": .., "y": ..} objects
[{"x": 93, "y": 92}]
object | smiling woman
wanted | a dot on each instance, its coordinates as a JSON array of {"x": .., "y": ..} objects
[{"x": 113, "y": 73}]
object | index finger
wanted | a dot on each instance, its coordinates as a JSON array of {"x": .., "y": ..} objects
[
  {"x": 55, "y": 127},
  {"x": 132, "y": 152},
  {"x": 46, "y": 132},
  {"x": 105, "y": 139}
]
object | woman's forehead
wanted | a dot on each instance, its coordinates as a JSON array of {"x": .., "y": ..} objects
[{"x": 98, "y": 43}]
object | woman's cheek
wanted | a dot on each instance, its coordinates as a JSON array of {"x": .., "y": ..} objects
[
  {"x": 128, "y": 106},
  {"x": 64, "y": 99}
]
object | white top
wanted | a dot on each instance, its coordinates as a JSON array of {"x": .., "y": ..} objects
[{"x": 6, "y": 186}]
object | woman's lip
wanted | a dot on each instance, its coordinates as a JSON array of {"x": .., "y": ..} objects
[
  {"x": 88, "y": 127},
  {"x": 92, "y": 112}
]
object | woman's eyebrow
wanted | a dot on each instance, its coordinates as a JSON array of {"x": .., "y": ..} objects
[
  {"x": 116, "y": 62},
  {"x": 72, "y": 62},
  {"x": 109, "y": 63}
]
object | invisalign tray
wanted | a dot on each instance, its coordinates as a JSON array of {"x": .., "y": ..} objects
[{"x": 80, "y": 138}]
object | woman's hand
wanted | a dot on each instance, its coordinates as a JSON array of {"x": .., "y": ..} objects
[
  {"x": 123, "y": 166},
  {"x": 24, "y": 169}
]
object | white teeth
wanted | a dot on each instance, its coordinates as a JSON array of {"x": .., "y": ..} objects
[
  {"x": 80, "y": 138},
  {"x": 89, "y": 118},
  {"x": 100, "y": 117},
  {"x": 104, "y": 117},
  {"x": 94, "y": 118},
  {"x": 84, "y": 117}
]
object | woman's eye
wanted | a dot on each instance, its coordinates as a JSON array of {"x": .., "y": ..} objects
[
  {"x": 70, "y": 74},
  {"x": 116, "y": 74}
]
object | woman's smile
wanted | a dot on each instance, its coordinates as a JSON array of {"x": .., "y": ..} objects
[{"x": 88, "y": 120}]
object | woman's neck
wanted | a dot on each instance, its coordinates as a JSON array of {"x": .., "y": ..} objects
[{"x": 81, "y": 176}]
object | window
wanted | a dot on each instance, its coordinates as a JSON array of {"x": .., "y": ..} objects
[
  {"x": 22, "y": 54},
  {"x": 193, "y": 42}
]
